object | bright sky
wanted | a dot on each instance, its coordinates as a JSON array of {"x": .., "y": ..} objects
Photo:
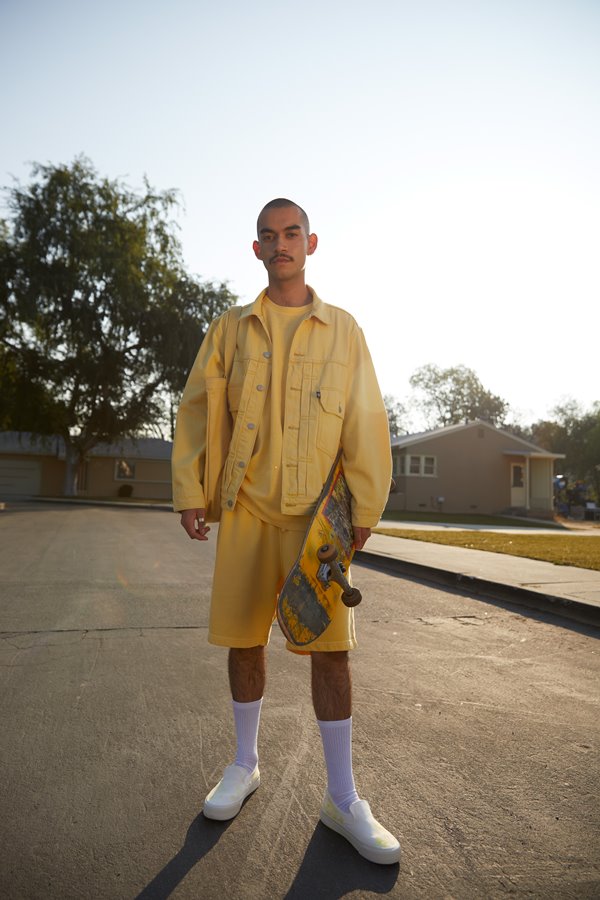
[{"x": 446, "y": 151}]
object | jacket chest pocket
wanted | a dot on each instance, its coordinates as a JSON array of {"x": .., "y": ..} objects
[{"x": 330, "y": 416}]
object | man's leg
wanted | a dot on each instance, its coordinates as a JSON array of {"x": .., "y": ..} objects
[
  {"x": 247, "y": 680},
  {"x": 342, "y": 809},
  {"x": 332, "y": 700},
  {"x": 242, "y": 604},
  {"x": 247, "y": 673},
  {"x": 331, "y": 685}
]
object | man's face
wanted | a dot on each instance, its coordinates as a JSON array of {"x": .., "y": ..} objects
[{"x": 283, "y": 243}]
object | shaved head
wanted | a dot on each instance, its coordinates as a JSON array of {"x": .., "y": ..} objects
[{"x": 278, "y": 203}]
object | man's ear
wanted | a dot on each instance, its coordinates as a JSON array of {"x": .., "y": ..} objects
[
  {"x": 313, "y": 240},
  {"x": 256, "y": 248}
]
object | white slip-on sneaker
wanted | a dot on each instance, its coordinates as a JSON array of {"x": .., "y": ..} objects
[
  {"x": 363, "y": 831},
  {"x": 226, "y": 798}
]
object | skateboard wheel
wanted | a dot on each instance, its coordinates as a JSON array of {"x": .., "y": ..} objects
[
  {"x": 351, "y": 597},
  {"x": 327, "y": 553}
]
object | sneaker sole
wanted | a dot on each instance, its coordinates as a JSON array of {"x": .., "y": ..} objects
[
  {"x": 381, "y": 855},
  {"x": 222, "y": 813}
]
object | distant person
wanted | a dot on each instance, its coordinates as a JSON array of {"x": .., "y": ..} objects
[{"x": 301, "y": 386}]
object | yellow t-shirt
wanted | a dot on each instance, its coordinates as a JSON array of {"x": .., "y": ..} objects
[{"x": 260, "y": 492}]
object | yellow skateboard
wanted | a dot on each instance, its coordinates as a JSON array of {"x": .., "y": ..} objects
[{"x": 317, "y": 582}]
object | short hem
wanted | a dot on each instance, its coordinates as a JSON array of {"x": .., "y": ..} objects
[
  {"x": 330, "y": 647},
  {"x": 235, "y": 643}
]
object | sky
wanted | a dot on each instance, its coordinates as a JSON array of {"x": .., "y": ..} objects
[{"x": 447, "y": 153}]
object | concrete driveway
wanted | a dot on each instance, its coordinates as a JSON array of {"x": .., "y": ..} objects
[{"x": 476, "y": 733}]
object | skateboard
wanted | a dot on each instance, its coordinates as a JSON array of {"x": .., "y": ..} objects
[{"x": 317, "y": 581}]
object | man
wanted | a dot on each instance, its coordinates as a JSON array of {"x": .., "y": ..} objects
[{"x": 301, "y": 384}]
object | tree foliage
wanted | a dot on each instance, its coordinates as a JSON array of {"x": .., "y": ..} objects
[
  {"x": 454, "y": 395},
  {"x": 99, "y": 322},
  {"x": 396, "y": 413},
  {"x": 576, "y": 433}
]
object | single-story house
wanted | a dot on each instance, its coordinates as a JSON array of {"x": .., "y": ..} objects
[
  {"x": 469, "y": 468},
  {"x": 461, "y": 468},
  {"x": 31, "y": 465}
]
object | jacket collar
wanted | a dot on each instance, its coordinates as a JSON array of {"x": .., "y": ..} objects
[{"x": 320, "y": 309}]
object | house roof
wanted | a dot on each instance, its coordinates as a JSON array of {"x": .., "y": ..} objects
[
  {"x": 54, "y": 445},
  {"x": 135, "y": 448},
  {"x": 528, "y": 449}
]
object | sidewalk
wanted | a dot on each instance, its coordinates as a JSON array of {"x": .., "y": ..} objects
[{"x": 564, "y": 590}]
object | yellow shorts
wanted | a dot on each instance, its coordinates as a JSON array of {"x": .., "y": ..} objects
[{"x": 252, "y": 561}]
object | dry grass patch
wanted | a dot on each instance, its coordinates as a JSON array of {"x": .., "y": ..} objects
[{"x": 563, "y": 550}]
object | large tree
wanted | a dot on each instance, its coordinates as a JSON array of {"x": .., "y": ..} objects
[
  {"x": 99, "y": 322},
  {"x": 576, "y": 433},
  {"x": 454, "y": 395}
]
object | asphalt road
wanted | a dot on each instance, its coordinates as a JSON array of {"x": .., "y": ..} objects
[{"x": 476, "y": 733}]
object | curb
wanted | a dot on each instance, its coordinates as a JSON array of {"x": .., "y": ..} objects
[
  {"x": 564, "y": 607},
  {"x": 115, "y": 504}
]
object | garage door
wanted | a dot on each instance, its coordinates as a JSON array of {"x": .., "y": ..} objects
[{"x": 19, "y": 477}]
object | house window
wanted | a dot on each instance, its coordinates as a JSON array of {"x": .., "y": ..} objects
[
  {"x": 414, "y": 465},
  {"x": 398, "y": 464},
  {"x": 429, "y": 465},
  {"x": 124, "y": 471},
  {"x": 425, "y": 466}
]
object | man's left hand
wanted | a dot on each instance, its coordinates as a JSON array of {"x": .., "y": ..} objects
[{"x": 361, "y": 536}]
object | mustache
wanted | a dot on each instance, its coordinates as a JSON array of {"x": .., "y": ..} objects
[{"x": 280, "y": 256}]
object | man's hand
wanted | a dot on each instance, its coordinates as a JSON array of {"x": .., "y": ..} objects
[
  {"x": 361, "y": 536},
  {"x": 194, "y": 524}
]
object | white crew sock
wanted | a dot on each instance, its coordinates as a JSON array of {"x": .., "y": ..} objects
[
  {"x": 247, "y": 719},
  {"x": 337, "y": 747}
]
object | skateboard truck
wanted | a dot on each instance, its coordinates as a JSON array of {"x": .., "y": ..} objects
[{"x": 331, "y": 570}]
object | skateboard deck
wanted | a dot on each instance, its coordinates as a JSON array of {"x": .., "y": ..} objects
[{"x": 315, "y": 585}]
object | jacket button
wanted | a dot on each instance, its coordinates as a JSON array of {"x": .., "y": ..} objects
[
  {"x": 267, "y": 354},
  {"x": 260, "y": 387},
  {"x": 241, "y": 465},
  {"x": 250, "y": 426},
  {"x": 230, "y": 503}
]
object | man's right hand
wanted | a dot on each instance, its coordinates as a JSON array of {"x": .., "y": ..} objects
[{"x": 194, "y": 524}]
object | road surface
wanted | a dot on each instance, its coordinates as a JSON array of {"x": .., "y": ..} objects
[{"x": 476, "y": 732}]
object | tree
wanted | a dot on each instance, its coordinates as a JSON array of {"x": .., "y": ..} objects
[
  {"x": 576, "y": 433},
  {"x": 396, "y": 412},
  {"x": 581, "y": 442},
  {"x": 99, "y": 322},
  {"x": 455, "y": 395}
]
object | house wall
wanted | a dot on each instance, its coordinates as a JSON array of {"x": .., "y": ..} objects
[
  {"x": 472, "y": 473},
  {"x": 53, "y": 476},
  {"x": 30, "y": 474},
  {"x": 47, "y": 483},
  {"x": 152, "y": 480},
  {"x": 541, "y": 496}
]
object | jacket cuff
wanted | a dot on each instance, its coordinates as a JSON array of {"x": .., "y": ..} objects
[
  {"x": 365, "y": 518},
  {"x": 192, "y": 501}
]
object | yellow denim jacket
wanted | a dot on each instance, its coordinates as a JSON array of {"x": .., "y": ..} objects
[{"x": 332, "y": 400}]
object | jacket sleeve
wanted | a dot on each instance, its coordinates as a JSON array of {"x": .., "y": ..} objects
[
  {"x": 366, "y": 447},
  {"x": 189, "y": 445}
]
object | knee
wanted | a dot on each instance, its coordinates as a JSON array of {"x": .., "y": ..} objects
[
  {"x": 329, "y": 661},
  {"x": 246, "y": 654}
]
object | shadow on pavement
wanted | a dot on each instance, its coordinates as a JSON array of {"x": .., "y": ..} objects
[
  {"x": 331, "y": 868},
  {"x": 201, "y": 837}
]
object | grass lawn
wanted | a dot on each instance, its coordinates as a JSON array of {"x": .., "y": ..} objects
[{"x": 563, "y": 549}]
